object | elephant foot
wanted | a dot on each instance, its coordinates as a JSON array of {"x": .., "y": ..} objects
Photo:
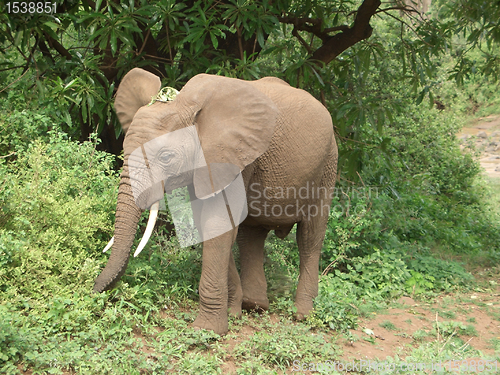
[
  {"x": 299, "y": 317},
  {"x": 235, "y": 311},
  {"x": 218, "y": 325},
  {"x": 251, "y": 304},
  {"x": 303, "y": 310},
  {"x": 234, "y": 303}
]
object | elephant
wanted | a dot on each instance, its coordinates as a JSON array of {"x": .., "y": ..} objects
[{"x": 264, "y": 149}]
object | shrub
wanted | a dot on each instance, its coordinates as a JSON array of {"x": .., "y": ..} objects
[{"x": 55, "y": 212}]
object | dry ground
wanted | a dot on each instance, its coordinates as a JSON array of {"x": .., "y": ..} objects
[
  {"x": 399, "y": 330},
  {"x": 485, "y": 133}
]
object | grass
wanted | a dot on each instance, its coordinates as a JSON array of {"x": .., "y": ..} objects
[
  {"x": 388, "y": 325},
  {"x": 420, "y": 335},
  {"x": 494, "y": 197},
  {"x": 447, "y": 314}
]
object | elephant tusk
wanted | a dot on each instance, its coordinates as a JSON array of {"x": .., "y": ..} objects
[
  {"x": 110, "y": 243},
  {"x": 153, "y": 214}
]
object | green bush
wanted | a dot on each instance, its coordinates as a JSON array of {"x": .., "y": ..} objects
[
  {"x": 284, "y": 345},
  {"x": 337, "y": 302},
  {"x": 443, "y": 275},
  {"x": 428, "y": 152},
  {"x": 57, "y": 205},
  {"x": 14, "y": 341},
  {"x": 374, "y": 277},
  {"x": 21, "y": 128}
]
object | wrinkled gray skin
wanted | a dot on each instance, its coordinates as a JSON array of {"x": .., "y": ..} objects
[{"x": 277, "y": 135}]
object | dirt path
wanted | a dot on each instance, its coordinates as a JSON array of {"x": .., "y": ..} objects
[
  {"x": 472, "y": 317},
  {"x": 485, "y": 133}
]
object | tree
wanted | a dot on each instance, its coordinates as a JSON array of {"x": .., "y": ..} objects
[{"x": 77, "y": 56}]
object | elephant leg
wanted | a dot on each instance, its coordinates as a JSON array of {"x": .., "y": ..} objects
[
  {"x": 213, "y": 287},
  {"x": 235, "y": 292},
  {"x": 253, "y": 281},
  {"x": 310, "y": 236}
]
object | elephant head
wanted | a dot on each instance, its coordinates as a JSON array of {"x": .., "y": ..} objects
[{"x": 203, "y": 139}]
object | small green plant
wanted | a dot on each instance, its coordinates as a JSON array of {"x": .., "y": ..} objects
[
  {"x": 336, "y": 304},
  {"x": 419, "y": 283},
  {"x": 388, "y": 325},
  {"x": 447, "y": 275},
  {"x": 420, "y": 335},
  {"x": 370, "y": 278},
  {"x": 447, "y": 314},
  {"x": 369, "y": 338},
  {"x": 495, "y": 344},
  {"x": 448, "y": 328},
  {"x": 283, "y": 345}
]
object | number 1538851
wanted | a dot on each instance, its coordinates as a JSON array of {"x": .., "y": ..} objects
[{"x": 31, "y": 7}]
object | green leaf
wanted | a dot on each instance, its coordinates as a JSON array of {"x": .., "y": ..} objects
[
  {"x": 113, "y": 42},
  {"x": 70, "y": 84},
  {"x": 431, "y": 99},
  {"x": 51, "y": 24},
  {"x": 215, "y": 42},
  {"x": 421, "y": 96},
  {"x": 49, "y": 31},
  {"x": 260, "y": 38}
]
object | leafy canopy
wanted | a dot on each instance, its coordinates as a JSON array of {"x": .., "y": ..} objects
[{"x": 72, "y": 61}]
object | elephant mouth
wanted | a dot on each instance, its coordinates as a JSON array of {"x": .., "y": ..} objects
[{"x": 145, "y": 198}]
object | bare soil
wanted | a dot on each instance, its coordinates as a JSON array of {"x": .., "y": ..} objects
[
  {"x": 397, "y": 331},
  {"x": 485, "y": 134}
]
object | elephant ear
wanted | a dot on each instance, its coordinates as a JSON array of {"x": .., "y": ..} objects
[
  {"x": 136, "y": 90},
  {"x": 235, "y": 122}
]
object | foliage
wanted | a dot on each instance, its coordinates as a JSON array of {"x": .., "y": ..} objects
[
  {"x": 375, "y": 277},
  {"x": 45, "y": 180},
  {"x": 337, "y": 301},
  {"x": 379, "y": 233},
  {"x": 56, "y": 205},
  {"x": 75, "y": 57},
  {"x": 285, "y": 345},
  {"x": 471, "y": 19},
  {"x": 19, "y": 128},
  {"x": 73, "y": 61}
]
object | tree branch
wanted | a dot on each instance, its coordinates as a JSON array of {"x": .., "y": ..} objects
[
  {"x": 11, "y": 68},
  {"x": 17, "y": 79},
  {"x": 45, "y": 51},
  {"x": 312, "y": 25},
  {"x": 240, "y": 45},
  {"x": 296, "y": 34},
  {"x": 403, "y": 9},
  {"x": 57, "y": 46},
  {"x": 359, "y": 31}
]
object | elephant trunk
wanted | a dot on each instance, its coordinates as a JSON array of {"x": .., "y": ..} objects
[{"x": 127, "y": 218}]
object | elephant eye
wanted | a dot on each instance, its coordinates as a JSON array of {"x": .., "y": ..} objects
[{"x": 165, "y": 157}]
